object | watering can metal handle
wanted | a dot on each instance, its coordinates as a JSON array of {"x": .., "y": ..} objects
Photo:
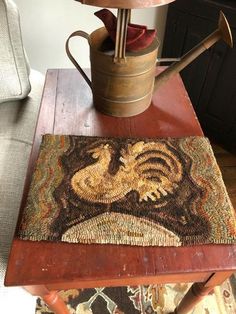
[{"x": 72, "y": 59}]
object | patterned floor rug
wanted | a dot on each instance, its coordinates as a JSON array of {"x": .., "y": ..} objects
[{"x": 152, "y": 299}]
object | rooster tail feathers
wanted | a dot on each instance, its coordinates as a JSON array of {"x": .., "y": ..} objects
[{"x": 156, "y": 169}]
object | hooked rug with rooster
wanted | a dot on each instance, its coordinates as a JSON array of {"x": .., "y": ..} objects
[{"x": 135, "y": 191}]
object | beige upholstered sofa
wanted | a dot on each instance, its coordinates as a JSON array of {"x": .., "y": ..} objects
[{"x": 20, "y": 95}]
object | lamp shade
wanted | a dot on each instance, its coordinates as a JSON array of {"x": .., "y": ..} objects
[{"x": 125, "y": 4}]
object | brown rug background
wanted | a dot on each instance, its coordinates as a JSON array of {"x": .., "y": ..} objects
[{"x": 128, "y": 191}]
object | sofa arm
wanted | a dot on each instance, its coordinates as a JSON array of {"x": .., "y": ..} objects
[{"x": 17, "y": 125}]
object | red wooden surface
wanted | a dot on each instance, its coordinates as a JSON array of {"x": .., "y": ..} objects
[{"x": 67, "y": 109}]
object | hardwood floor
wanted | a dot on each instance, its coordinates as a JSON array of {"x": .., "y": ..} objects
[{"x": 227, "y": 163}]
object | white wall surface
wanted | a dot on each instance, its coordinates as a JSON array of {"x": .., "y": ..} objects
[{"x": 46, "y": 24}]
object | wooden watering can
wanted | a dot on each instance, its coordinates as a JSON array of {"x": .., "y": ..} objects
[{"x": 122, "y": 83}]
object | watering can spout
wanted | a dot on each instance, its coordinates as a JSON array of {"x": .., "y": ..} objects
[{"x": 222, "y": 32}]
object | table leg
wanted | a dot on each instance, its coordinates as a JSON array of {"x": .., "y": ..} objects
[
  {"x": 51, "y": 298},
  {"x": 199, "y": 290}
]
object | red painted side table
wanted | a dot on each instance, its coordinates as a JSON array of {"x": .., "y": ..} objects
[{"x": 44, "y": 267}]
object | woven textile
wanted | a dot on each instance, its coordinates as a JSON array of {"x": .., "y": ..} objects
[
  {"x": 17, "y": 125},
  {"x": 152, "y": 299},
  {"x": 166, "y": 192}
]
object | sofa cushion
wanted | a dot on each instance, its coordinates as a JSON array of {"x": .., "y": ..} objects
[
  {"x": 17, "y": 118},
  {"x": 17, "y": 126},
  {"x": 14, "y": 70}
]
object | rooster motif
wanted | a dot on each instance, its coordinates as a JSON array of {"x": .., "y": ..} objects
[{"x": 152, "y": 169}]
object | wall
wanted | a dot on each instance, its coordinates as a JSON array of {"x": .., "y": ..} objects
[{"x": 46, "y": 24}]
